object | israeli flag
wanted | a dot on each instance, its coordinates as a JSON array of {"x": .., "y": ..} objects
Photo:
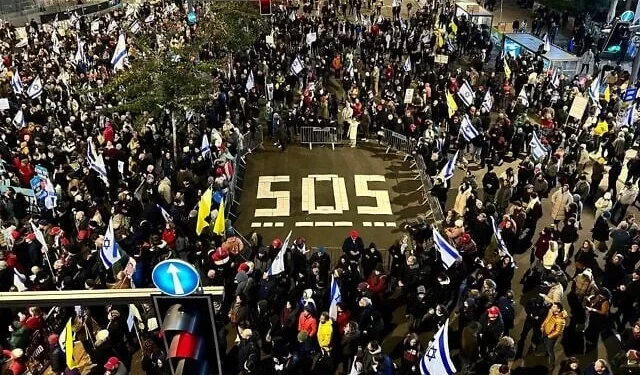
[
  {"x": 75, "y": 21},
  {"x": 436, "y": 359},
  {"x": 18, "y": 120},
  {"x": 81, "y": 57},
  {"x": 501, "y": 244},
  {"x": 56, "y": 42},
  {"x": 149, "y": 19},
  {"x": 467, "y": 129},
  {"x": 135, "y": 27},
  {"x": 594, "y": 90},
  {"x": 449, "y": 168},
  {"x": 487, "y": 102},
  {"x": 336, "y": 297},
  {"x": 407, "y": 64},
  {"x": 19, "y": 280},
  {"x": 547, "y": 43},
  {"x": 109, "y": 252},
  {"x": 35, "y": 89},
  {"x": 466, "y": 94},
  {"x": 555, "y": 79},
  {"x": 297, "y": 65},
  {"x": 537, "y": 148},
  {"x": 629, "y": 116},
  {"x": 448, "y": 253},
  {"x": 113, "y": 26},
  {"x": 96, "y": 162},
  {"x": 630, "y": 94},
  {"x": 205, "y": 148},
  {"x": 16, "y": 83},
  {"x": 277, "y": 267},
  {"x": 119, "y": 54},
  {"x": 250, "y": 83},
  {"x": 523, "y": 97},
  {"x": 350, "y": 70}
]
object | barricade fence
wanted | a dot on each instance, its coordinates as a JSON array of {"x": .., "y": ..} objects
[
  {"x": 397, "y": 142},
  {"x": 249, "y": 142},
  {"x": 313, "y": 135}
]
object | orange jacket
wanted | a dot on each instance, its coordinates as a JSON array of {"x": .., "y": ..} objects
[{"x": 308, "y": 324}]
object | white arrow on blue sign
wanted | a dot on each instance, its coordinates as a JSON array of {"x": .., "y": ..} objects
[{"x": 175, "y": 277}]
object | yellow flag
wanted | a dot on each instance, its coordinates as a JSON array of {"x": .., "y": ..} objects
[
  {"x": 204, "y": 209},
  {"x": 67, "y": 336},
  {"x": 439, "y": 40},
  {"x": 507, "y": 69},
  {"x": 218, "y": 227},
  {"x": 453, "y": 26},
  {"x": 451, "y": 104},
  {"x": 607, "y": 94}
]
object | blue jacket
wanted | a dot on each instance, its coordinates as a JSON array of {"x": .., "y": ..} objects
[
  {"x": 386, "y": 367},
  {"x": 591, "y": 371}
]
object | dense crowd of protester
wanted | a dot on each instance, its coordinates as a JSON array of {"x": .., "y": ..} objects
[{"x": 150, "y": 196}]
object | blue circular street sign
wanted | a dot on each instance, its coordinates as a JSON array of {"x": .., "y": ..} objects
[
  {"x": 175, "y": 277},
  {"x": 627, "y": 16}
]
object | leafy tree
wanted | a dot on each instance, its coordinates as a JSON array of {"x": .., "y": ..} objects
[{"x": 165, "y": 74}]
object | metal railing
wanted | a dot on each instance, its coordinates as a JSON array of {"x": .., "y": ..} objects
[
  {"x": 249, "y": 142},
  {"x": 397, "y": 142},
  {"x": 313, "y": 135}
]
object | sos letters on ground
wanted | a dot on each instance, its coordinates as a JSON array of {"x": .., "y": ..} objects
[{"x": 341, "y": 201}]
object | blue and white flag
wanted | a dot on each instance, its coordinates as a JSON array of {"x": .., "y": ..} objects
[
  {"x": 95, "y": 162},
  {"x": 407, "y": 64},
  {"x": 56, "y": 42},
  {"x": 119, "y": 54},
  {"x": 449, "y": 168},
  {"x": 109, "y": 251},
  {"x": 467, "y": 129},
  {"x": 630, "y": 94},
  {"x": 523, "y": 97},
  {"x": 437, "y": 360},
  {"x": 250, "y": 82},
  {"x": 350, "y": 70},
  {"x": 547, "y": 43},
  {"x": 135, "y": 27},
  {"x": 150, "y": 19},
  {"x": 205, "y": 147},
  {"x": 167, "y": 217},
  {"x": 35, "y": 89},
  {"x": 487, "y": 102},
  {"x": 448, "y": 253},
  {"x": 336, "y": 297},
  {"x": 18, "y": 120},
  {"x": 555, "y": 78},
  {"x": 81, "y": 57},
  {"x": 629, "y": 116},
  {"x": 502, "y": 246},
  {"x": 19, "y": 280},
  {"x": 594, "y": 90},
  {"x": 16, "y": 83},
  {"x": 297, "y": 66},
  {"x": 466, "y": 94},
  {"x": 277, "y": 266},
  {"x": 74, "y": 20},
  {"x": 538, "y": 151}
]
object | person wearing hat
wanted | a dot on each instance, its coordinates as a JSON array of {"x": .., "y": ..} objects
[
  {"x": 57, "y": 357},
  {"x": 115, "y": 367},
  {"x": 353, "y": 246},
  {"x": 17, "y": 364},
  {"x": 491, "y": 329},
  {"x": 603, "y": 204}
]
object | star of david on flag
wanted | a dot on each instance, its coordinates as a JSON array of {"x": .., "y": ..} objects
[{"x": 436, "y": 359}]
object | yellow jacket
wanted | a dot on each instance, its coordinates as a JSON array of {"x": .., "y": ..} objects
[
  {"x": 601, "y": 128},
  {"x": 553, "y": 325},
  {"x": 325, "y": 330}
]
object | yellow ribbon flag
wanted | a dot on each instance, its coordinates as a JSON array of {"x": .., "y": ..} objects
[
  {"x": 507, "y": 69},
  {"x": 204, "y": 210},
  {"x": 607, "y": 94},
  {"x": 218, "y": 226},
  {"x": 66, "y": 341},
  {"x": 451, "y": 104},
  {"x": 439, "y": 39},
  {"x": 453, "y": 26}
]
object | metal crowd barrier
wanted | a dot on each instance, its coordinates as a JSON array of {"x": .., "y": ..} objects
[
  {"x": 397, "y": 142},
  {"x": 435, "y": 210},
  {"x": 320, "y": 136},
  {"x": 249, "y": 142}
]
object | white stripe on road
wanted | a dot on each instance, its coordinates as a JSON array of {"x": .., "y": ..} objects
[
  {"x": 391, "y": 224},
  {"x": 324, "y": 223},
  {"x": 256, "y": 225},
  {"x": 267, "y": 225},
  {"x": 366, "y": 223},
  {"x": 279, "y": 225},
  {"x": 343, "y": 224},
  {"x": 304, "y": 223},
  {"x": 378, "y": 224}
]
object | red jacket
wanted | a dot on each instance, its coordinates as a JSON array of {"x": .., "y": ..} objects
[
  {"x": 16, "y": 366},
  {"x": 25, "y": 173},
  {"x": 169, "y": 236},
  {"x": 377, "y": 283},
  {"x": 108, "y": 132},
  {"x": 308, "y": 324},
  {"x": 342, "y": 319},
  {"x": 34, "y": 323}
]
